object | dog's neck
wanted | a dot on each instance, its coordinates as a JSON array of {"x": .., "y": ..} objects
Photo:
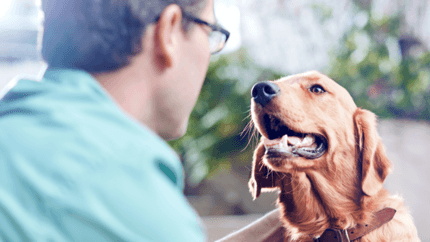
[{"x": 311, "y": 204}]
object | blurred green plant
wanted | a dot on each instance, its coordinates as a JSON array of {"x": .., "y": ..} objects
[{"x": 380, "y": 69}]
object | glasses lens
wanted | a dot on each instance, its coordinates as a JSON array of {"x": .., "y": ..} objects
[{"x": 216, "y": 41}]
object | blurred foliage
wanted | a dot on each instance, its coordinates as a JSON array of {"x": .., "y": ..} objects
[
  {"x": 385, "y": 72},
  {"x": 380, "y": 68}
]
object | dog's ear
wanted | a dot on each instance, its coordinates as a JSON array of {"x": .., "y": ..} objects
[
  {"x": 374, "y": 162},
  {"x": 261, "y": 176}
]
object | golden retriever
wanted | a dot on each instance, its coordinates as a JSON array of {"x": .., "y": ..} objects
[{"x": 326, "y": 158}]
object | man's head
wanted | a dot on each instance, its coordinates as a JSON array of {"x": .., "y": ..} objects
[
  {"x": 102, "y": 35},
  {"x": 150, "y": 56}
]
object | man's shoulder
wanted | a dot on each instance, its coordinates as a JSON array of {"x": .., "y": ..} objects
[
  {"x": 70, "y": 145},
  {"x": 69, "y": 110}
]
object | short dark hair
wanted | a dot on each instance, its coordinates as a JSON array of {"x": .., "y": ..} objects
[{"x": 101, "y": 35}]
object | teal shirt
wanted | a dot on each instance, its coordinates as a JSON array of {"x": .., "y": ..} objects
[{"x": 74, "y": 167}]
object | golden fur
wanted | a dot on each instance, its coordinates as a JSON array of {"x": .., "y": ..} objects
[{"x": 343, "y": 187}]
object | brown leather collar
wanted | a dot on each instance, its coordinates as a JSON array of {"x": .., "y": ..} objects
[{"x": 347, "y": 235}]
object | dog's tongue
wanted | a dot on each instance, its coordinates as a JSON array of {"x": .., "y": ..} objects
[{"x": 299, "y": 142}]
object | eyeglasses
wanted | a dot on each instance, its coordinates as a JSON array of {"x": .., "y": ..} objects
[{"x": 217, "y": 37}]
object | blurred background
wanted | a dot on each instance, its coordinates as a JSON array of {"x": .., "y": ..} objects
[{"x": 376, "y": 49}]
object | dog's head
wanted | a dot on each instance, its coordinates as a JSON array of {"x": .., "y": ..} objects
[{"x": 311, "y": 124}]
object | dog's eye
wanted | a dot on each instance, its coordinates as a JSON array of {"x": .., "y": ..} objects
[{"x": 317, "y": 89}]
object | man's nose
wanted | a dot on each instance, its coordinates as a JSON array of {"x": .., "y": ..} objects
[{"x": 263, "y": 92}]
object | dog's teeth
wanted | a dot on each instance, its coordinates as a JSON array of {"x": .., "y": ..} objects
[
  {"x": 284, "y": 141},
  {"x": 293, "y": 140},
  {"x": 308, "y": 140},
  {"x": 273, "y": 144}
]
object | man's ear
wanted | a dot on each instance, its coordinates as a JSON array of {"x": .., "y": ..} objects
[
  {"x": 261, "y": 175},
  {"x": 371, "y": 153},
  {"x": 168, "y": 31}
]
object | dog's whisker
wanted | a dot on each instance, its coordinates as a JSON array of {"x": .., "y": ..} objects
[
  {"x": 249, "y": 130},
  {"x": 247, "y": 116},
  {"x": 255, "y": 135}
]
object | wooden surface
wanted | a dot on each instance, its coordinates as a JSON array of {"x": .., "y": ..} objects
[{"x": 219, "y": 226}]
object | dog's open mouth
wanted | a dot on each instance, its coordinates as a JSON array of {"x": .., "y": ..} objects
[{"x": 284, "y": 142}]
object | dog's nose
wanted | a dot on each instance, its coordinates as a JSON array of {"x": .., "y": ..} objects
[{"x": 263, "y": 92}]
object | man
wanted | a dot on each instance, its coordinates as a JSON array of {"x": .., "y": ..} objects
[{"x": 83, "y": 156}]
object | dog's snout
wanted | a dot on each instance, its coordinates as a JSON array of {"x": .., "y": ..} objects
[{"x": 263, "y": 92}]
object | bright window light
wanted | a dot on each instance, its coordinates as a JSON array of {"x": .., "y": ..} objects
[{"x": 4, "y": 6}]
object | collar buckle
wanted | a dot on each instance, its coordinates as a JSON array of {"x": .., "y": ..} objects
[{"x": 346, "y": 235}]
